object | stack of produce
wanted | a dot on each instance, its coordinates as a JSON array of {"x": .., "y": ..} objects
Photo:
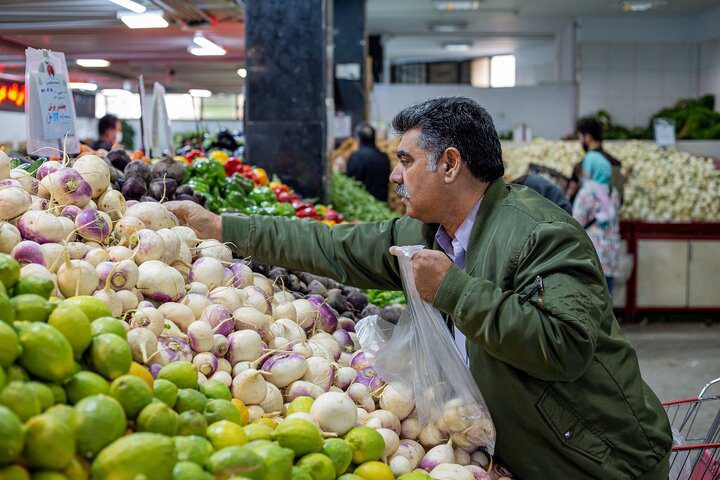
[
  {"x": 132, "y": 349},
  {"x": 350, "y": 197}
]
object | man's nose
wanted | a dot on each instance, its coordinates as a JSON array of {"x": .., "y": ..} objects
[{"x": 396, "y": 175}]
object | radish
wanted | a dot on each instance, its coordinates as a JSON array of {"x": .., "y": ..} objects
[
  {"x": 181, "y": 315},
  {"x": 148, "y": 317},
  {"x": 360, "y": 394},
  {"x": 207, "y": 270},
  {"x": 215, "y": 249},
  {"x": 66, "y": 187},
  {"x": 96, "y": 256},
  {"x": 301, "y": 388},
  {"x": 112, "y": 202},
  {"x": 187, "y": 235},
  {"x": 222, "y": 377},
  {"x": 438, "y": 455},
  {"x": 227, "y": 297},
  {"x": 9, "y": 237},
  {"x": 397, "y": 397},
  {"x": 128, "y": 299},
  {"x": 344, "y": 377},
  {"x": 273, "y": 401},
  {"x": 45, "y": 169},
  {"x": 219, "y": 318},
  {"x": 109, "y": 297},
  {"x": 196, "y": 302},
  {"x": 284, "y": 368},
  {"x": 76, "y": 277},
  {"x": 160, "y": 282},
  {"x": 387, "y": 419},
  {"x": 206, "y": 363},
  {"x": 200, "y": 335},
  {"x": 94, "y": 171},
  {"x": 478, "y": 473},
  {"x": 14, "y": 201},
  {"x": 249, "y": 318},
  {"x": 126, "y": 227},
  {"x": 150, "y": 246},
  {"x": 76, "y": 250},
  {"x": 334, "y": 412},
  {"x": 143, "y": 343},
  {"x": 249, "y": 387},
  {"x": 320, "y": 372},
  {"x": 42, "y": 227},
  {"x": 172, "y": 243},
  {"x": 28, "y": 251},
  {"x": 153, "y": 215},
  {"x": 220, "y": 348},
  {"x": 245, "y": 345},
  {"x": 392, "y": 441},
  {"x": 257, "y": 299},
  {"x": 306, "y": 313},
  {"x": 326, "y": 318}
]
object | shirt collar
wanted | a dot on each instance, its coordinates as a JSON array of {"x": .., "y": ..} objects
[{"x": 462, "y": 235}]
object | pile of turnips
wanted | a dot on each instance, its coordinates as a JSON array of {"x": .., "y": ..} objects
[{"x": 183, "y": 298}]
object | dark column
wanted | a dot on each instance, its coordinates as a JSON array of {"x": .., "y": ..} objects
[
  {"x": 288, "y": 57},
  {"x": 350, "y": 29}
]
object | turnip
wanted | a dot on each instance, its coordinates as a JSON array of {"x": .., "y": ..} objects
[
  {"x": 143, "y": 343},
  {"x": 66, "y": 187},
  {"x": 207, "y": 270},
  {"x": 344, "y": 340},
  {"x": 438, "y": 455},
  {"x": 70, "y": 211},
  {"x": 289, "y": 329},
  {"x": 38, "y": 271},
  {"x": 227, "y": 297},
  {"x": 197, "y": 287},
  {"x": 45, "y": 169},
  {"x": 205, "y": 362},
  {"x": 68, "y": 231},
  {"x": 201, "y": 378},
  {"x": 249, "y": 387},
  {"x": 360, "y": 361},
  {"x": 14, "y": 201},
  {"x": 284, "y": 310},
  {"x": 344, "y": 377},
  {"x": 219, "y": 318},
  {"x": 42, "y": 227},
  {"x": 329, "y": 342},
  {"x": 320, "y": 372},
  {"x": 37, "y": 203},
  {"x": 187, "y": 235},
  {"x": 54, "y": 254},
  {"x": 215, "y": 249},
  {"x": 241, "y": 367},
  {"x": 255, "y": 412},
  {"x": 305, "y": 313},
  {"x": 302, "y": 388},
  {"x": 430, "y": 436},
  {"x": 94, "y": 171},
  {"x": 220, "y": 348},
  {"x": 280, "y": 343},
  {"x": 92, "y": 225},
  {"x": 303, "y": 349},
  {"x": 123, "y": 275},
  {"x": 282, "y": 296},
  {"x": 172, "y": 330},
  {"x": 96, "y": 256},
  {"x": 344, "y": 360},
  {"x": 4, "y": 165},
  {"x": 477, "y": 472},
  {"x": 28, "y": 182},
  {"x": 369, "y": 377},
  {"x": 397, "y": 397},
  {"x": 184, "y": 254},
  {"x": 76, "y": 277},
  {"x": 273, "y": 401},
  {"x": 264, "y": 284},
  {"x": 410, "y": 450},
  {"x": 148, "y": 317},
  {"x": 154, "y": 215},
  {"x": 284, "y": 368},
  {"x": 451, "y": 471},
  {"x": 223, "y": 365},
  {"x": 160, "y": 282},
  {"x": 461, "y": 457},
  {"x": 410, "y": 428},
  {"x": 118, "y": 253},
  {"x": 326, "y": 318},
  {"x": 249, "y": 318},
  {"x": 387, "y": 419},
  {"x": 222, "y": 377},
  {"x": 242, "y": 275},
  {"x": 28, "y": 251},
  {"x": 145, "y": 304},
  {"x": 109, "y": 297},
  {"x": 181, "y": 315},
  {"x": 76, "y": 250},
  {"x": 245, "y": 345},
  {"x": 346, "y": 324},
  {"x": 200, "y": 335},
  {"x": 480, "y": 432},
  {"x": 172, "y": 349},
  {"x": 150, "y": 246},
  {"x": 400, "y": 465},
  {"x": 172, "y": 245},
  {"x": 334, "y": 412},
  {"x": 392, "y": 441},
  {"x": 361, "y": 396},
  {"x": 128, "y": 299},
  {"x": 113, "y": 203},
  {"x": 126, "y": 227},
  {"x": 9, "y": 237},
  {"x": 363, "y": 416},
  {"x": 257, "y": 299},
  {"x": 196, "y": 302}
]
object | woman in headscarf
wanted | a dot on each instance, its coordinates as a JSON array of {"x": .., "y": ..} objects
[{"x": 596, "y": 208}]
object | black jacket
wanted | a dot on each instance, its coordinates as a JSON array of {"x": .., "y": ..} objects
[{"x": 371, "y": 167}]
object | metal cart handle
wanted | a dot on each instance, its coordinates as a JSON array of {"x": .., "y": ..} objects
[{"x": 708, "y": 385}]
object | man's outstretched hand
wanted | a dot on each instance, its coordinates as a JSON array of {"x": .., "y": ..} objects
[{"x": 205, "y": 223}]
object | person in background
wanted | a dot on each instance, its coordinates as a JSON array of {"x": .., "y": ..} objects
[
  {"x": 590, "y": 134},
  {"x": 596, "y": 208},
  {"x": 109, "y": 133},
  {"x": 369, "y": 165},
  {"x": 547, "y": 189}
]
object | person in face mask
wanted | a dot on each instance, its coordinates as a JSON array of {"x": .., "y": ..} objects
[{"x": 109, "y": 133}]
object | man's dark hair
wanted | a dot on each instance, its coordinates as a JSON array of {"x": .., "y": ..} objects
[
  {"x": 106, "y": 123},
  {"x": 365, "y": 134},
  {"x": 590, "y": 126},
  {"x": 455, "y": 122}
]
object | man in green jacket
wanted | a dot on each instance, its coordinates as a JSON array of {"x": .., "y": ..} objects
[{"x": 520, "y": 280}]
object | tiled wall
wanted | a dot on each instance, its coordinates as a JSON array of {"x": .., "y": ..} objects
[
  {"x": 710, "y": 69},
  {"x": 633, "y": 80}
]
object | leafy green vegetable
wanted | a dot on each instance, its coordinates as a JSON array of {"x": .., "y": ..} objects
[
  {"x": 350, "y": 198},
  {"x": 384, "y": 298}
]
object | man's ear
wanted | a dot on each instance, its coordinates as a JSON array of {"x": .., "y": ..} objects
[{"x": 451, "y": 164}]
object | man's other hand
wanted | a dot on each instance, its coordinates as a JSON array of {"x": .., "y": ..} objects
[
  {"x": 205, "y": 223},
  {"x": 429, "y": 270}
]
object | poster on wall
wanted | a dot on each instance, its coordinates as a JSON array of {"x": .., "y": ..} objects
[{"x": 49, "y": 108}]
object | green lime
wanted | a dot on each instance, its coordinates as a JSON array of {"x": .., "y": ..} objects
[
  {"x": 59, "y": 395},
  {"x": 43, "y": 393},
  {"x": 7, "y": 314},
  {"x": 190, "y": 399},
  {"x": 42, "y": 286},
  {"x": 46, "y": 352},
  {"x": 15, "y": 373},
  {"x": 14, "y": 472},
  {"x": 132, "y": 392},
  {"x": 215, "y": 390},
  {"x": 216, "y": 410},
  {"x": 21, "y": 399},
  {"x": 3, "y": 379},
  {"x": 92, "y": 307},
  {"x": 182, "y": 374},
  {"x": 300, "y": 474},
  {"x": 49, "y": 443},
  {"x": 31, "y": 307},
  {"x": 258, "y": 431},
  {"x": 78, "y": 469},
  {"x": 12, "y": 436},
  {"x": 189, "y": 471},
  {"x": 110, "y": 355},
  {"x": 100, "y": 421},
  {"x": 224, "y": 434},
  {"x": 299, "y": 435},
  {"x": 256, "y": 444},
  {"x": 48, "y": 475},
  {"x": 415, "y": 476},
  {"x": 191, "y": 422},
  {"x": 193, "y": 449},
  {"x": 74, "y": 325},
  {"x": 300, "y": 404},
  {"x": 368, "y": 445},
  {"x": 278, "y": 460},
  {"x": 339, "y": 452},
  {"x": 318, "y": 466},
  {"x": 107, "y": 325},
  {"x": 9, "y": 345},
  {"x": 84, "y": 384},
  {"x": 165, "y": 391},
  {"x": 236, "y": 462},
  {"x": 157, "y": 418},
  {"x": 9, "y": 270},
  {"x": 65, "y": 413},
  {"x": 138, "y": 456}
]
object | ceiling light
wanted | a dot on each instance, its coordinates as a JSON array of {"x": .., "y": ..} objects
[
  {"x": 640, "y": 5},
  {"x": 199, "y": 92},
  {"x": 457, "y": 5},
  {"x": 143, "y": 20},
  {"x": 206, "y": 47},
  {"x": 115, "y": 92},
  {"x": 457, "y": 47},
  {"x": 130, "y": 5},
  {"x": 447, "y": 27},
  {"x": 90, "y": 87},
  {"x": 92, "y": 62},
  {"x": 242, "y": 72}
]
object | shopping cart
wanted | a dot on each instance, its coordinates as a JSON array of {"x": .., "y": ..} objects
[{"x": 696, "y": 447}]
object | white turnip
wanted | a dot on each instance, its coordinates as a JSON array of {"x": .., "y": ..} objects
[
  {"x": 334, "y": 412},
  {"x": 181, "y": 315},
  {"x": 206, "y": 363},
  {"x": 209, "y": 271},
  {"x": 344, "y": 377},
  {"x": 14, "y": 201},
  {"x": 150, "y": 246},
  {"x": 220, "y": 348},
  {"x": 320, "y": 372},
  {"x": 361, "y": 396},
  {"x": 284, "y": 368},
  {"x": 187, "y": 235},
  {"x": 289, "y": 329},
  {"x": 478, "y": 473},
  {"x": 128, "y": 298},
  {"x": 302, "y": 388},
  {"x": 196, "y": 302},
  {"x": 109, "y": 297},
  {"x": 257, "y": 299},
  {"x": 200, "y": 335},
  {"x": 112, "y": 202},
  {"x": 450, "y": 471},
  {"x": 214, "y": 249},
  {"x": 42, "y": 227},
  {"x": 249, "y": 387},
  {"x": 76, "y": 277},
  {"x": 305, "y": 313},
  {"x": 28, "y": 251},
  {"x": 160, "y": 282},
  {"x": 154, "y": 215},
  {"x": 245, "y": 345},
  {"x": 66, "y": 187},
  {"x": 397, "y": 397},
  {"x": 273, "y": 401},
  {"x": 248, "y": 318},
  {"x": 150, "y": 318},
  {"x": 143, "y": 343},
  {"x": 392, "y": 441},
  {"x": 219, "y": 318},
  {"x": 222, "y": 377},
  {"x": 438, "y": 455},
  {"x": 387, "y": 419},
  {"x": 125, "y": 228},
  {"x": 9, "y": 237},
  {"x": 96, "y": 256},
  {"x": 172, "y": 242},
  {"x": 94, "y": 171},
  {"x": 227, "y": 297}
]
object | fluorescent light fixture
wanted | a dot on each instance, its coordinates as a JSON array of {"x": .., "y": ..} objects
[
  {"x": 447, "y": 27},
  {"x": 115, "y": 92},
  {"x": 457, "y": 47},
  {"x": 200, "y": 92},
  {"x": 458, "y": 5},
  {"x": 143, "y": 20},
  {"x": 130, "y": 5},
  {"x": 242, "y": 72},
  {"x": 640, "y": 5},
  {"x": 92, "y": 62},
  {"x": 90, "y": 87},
  {"x": 206, "y": 47}
]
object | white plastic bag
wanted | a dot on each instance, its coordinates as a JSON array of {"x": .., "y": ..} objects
[{"x": 420, "y": 352}]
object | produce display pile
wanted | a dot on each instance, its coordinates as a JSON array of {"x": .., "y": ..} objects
[
  {"x": 130, "y": 348},
  {"x": 663, "y": 185}
]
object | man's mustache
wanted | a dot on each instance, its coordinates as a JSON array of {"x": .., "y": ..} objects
[{"x": 402, "y": 191}]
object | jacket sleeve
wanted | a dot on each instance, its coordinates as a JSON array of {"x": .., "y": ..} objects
[
  {"x": 355, "y": 255},
  {"x": 550, "y": 334}
]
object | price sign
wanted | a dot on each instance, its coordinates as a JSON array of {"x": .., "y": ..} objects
[
  {"x": 55, "y": 103},
  {"x": 664, "y": 132}
]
